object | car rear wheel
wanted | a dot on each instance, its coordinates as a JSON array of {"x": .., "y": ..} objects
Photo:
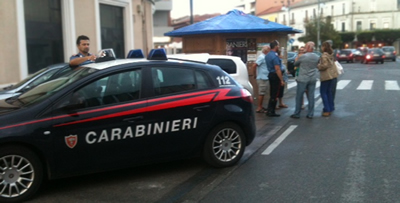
[
  {"x": 21, "y": 174},
  {"x": 224, "y": 145}
]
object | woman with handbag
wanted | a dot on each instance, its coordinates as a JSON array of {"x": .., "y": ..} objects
[{"x": 328, "y": 75}]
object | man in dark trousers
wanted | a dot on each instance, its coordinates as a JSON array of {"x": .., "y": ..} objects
[{"x": 275, "y": 77}]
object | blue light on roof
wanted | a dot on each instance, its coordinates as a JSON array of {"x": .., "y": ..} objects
[
  {"x": 135, "y": 53},
  {"x": 157, "y": 54}
]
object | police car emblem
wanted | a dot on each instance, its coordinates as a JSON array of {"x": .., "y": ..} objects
[{"x": 71, "y": 141}]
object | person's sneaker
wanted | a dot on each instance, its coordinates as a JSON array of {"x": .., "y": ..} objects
[
  {"x": 272, "y": 115},
  {"x": 294, "y": 116},
  {"x": 309, "y": 117}
]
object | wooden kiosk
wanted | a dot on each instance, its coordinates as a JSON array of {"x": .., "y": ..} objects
[{"x": 236, "y": 34}]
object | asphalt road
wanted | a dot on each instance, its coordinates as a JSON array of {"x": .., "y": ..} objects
[{"x": 352, "y": 156}]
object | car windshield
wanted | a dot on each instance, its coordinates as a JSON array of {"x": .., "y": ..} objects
[
  {"x": 30, "y": 77},
  {"x": 45, "y": 90}
]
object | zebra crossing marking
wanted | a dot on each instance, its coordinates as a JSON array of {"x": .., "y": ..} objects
[
  {"x": 342, "y": 84},
  {"x": 391, "y": 85},
  {"x": 365, "y": 85}
]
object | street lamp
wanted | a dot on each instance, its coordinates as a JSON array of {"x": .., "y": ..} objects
[{"x": 318, "y": 27}]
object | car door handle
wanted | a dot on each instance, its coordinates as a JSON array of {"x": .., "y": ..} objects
[
  {"x": 201, "y": 108},
  {"x": 133, "y": 119}
]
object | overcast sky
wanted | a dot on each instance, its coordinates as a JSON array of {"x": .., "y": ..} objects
[{"x": 181, "y": 8}]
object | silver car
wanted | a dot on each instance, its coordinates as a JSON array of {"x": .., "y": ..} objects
[{"x": 39, "y": 77}]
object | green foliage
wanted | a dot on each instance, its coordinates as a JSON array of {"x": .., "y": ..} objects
[
  {"x": 347, "y": 36},
  {"x": 365, "y": 37},
  {"x": 388, "y": 36},
  {"x": 327, "y": 32}
]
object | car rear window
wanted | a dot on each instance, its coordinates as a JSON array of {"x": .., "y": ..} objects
[
  {"x": 376, "y": 51},
  {"x": 388, "y": 48},
  {"x": 225, "y": 64},
  {"x": 345, "y": 51}
]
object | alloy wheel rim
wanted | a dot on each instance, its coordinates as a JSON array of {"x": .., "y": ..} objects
[
  {"x": 16, "y": 176},
  {"x": 227, "y": 145}
]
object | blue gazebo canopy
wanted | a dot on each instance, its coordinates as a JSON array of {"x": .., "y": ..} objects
[{"x": 234, "y": 21}]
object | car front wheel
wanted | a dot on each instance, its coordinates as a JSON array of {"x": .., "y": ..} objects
[
  {"x": 224, "y": 145},
  {"x": 21, "y": 174}
]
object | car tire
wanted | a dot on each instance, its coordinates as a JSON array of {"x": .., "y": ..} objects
[
  {"x": 382, "y": 61},
  {"x": 394, "y": 59},
  {"x": 17, "y": 186},
  {"x": 224, "y": 145}
]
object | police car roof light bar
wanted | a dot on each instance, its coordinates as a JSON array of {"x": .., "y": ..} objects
[
  {"x": 157, "y": 54},
  {"x": 105, "y": 55},
  {"x": 135, "y": 53}
]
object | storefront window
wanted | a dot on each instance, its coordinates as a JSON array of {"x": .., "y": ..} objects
[
  {"x": 112, "y": 29},
  {"x": 44, "y": 37}
]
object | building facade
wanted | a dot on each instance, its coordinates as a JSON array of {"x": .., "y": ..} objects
[
  {"x": 38, "y": 33},
  {"x": 162, "y": 23},
  {"x": 347, "y": 15}
]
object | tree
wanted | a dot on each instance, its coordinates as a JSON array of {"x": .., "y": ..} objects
[
  {"x": 347, "y": 36},
  {"x": 326, "y": 32},
  {"x": 388, "y": 36}
]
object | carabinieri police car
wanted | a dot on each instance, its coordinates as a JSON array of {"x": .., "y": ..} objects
[{"x": 119, "y": 113}]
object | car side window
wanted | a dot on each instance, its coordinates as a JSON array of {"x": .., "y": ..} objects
[
  {"x": 174, "y": 80},
  {"x": 225, "y": 64},
  {"x": 122, "y": 87},
  {"x": 116, "y": 88}
]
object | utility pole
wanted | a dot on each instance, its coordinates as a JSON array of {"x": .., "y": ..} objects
[
  {"x": 318, "y": 29},
  {"x": 191, "y": 11}
]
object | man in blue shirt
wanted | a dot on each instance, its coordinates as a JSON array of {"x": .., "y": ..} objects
[
  {"x": 83, "y": 57},
  {"x": 275, "y": 77},
  {"x": 262, "y": 78}
]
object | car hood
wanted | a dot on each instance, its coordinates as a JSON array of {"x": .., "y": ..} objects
[
  {"x": 6, "y": 94},
  {"x": 6, "y": 108}
]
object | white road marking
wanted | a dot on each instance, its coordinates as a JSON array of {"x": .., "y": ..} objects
[
  {"x": 291, "y": 85},
  {"x": 279, "y": 140},
  {"x": 391, "y": 85},
  {"x": 318, "y": 102},
  {"x": 365, "y": 85},
  {"x": 342, "y": 84},
  {"x": 318, "y": 84}
]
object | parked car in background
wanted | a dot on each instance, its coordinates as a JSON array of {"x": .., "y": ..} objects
[
  {"x": 290, "y": 62},
  {"x": 359, "y": 53},
  {"x": 390, "y": 52},
  {"x": 345, "y": 55},
  {"x": 232, "y": 65},
  {"x": 374, "y": 55},
  {"x": 41, "y": 76}
]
